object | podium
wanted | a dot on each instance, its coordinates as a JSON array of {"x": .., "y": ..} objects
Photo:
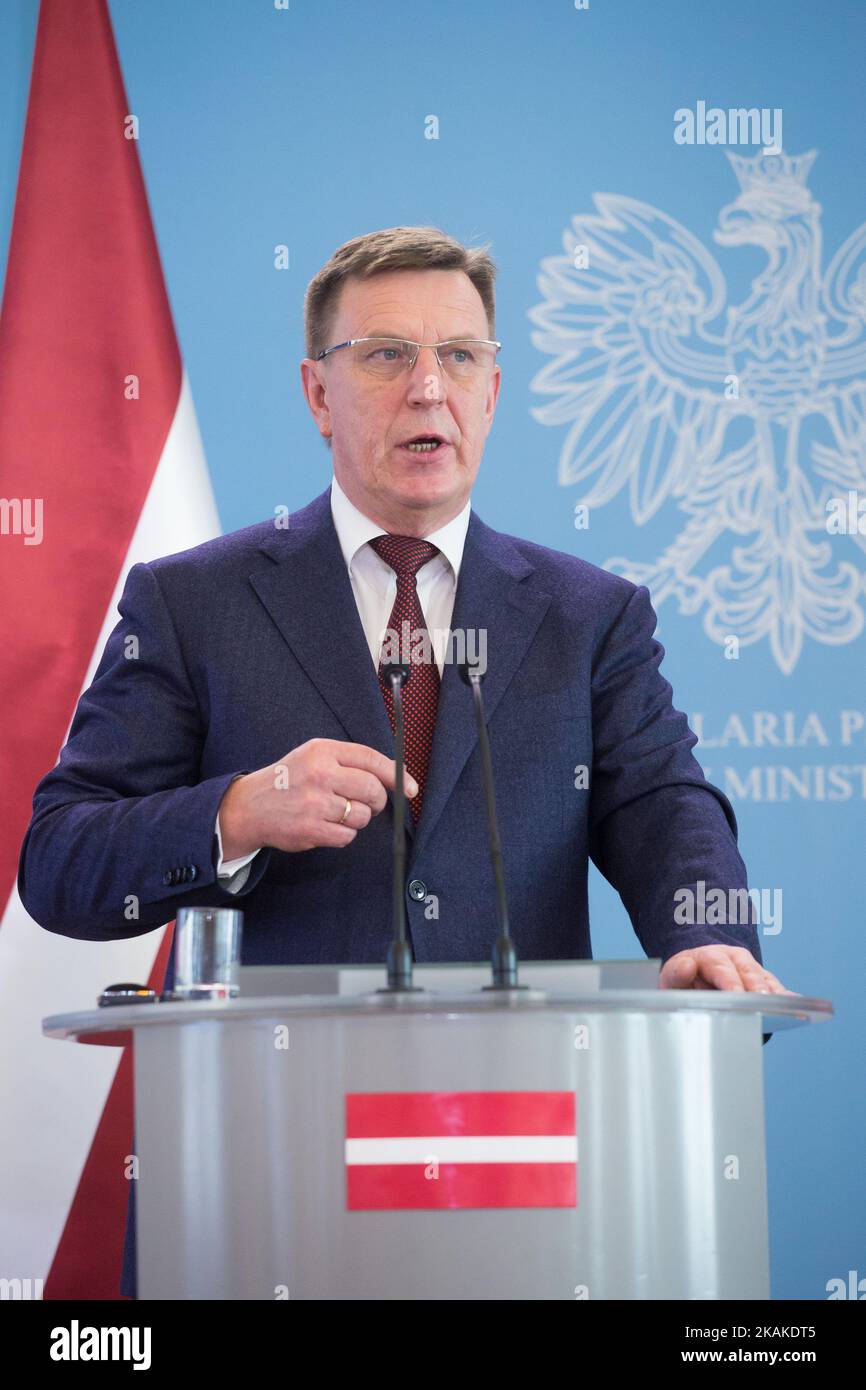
[{"x": 590, "y": 1136}]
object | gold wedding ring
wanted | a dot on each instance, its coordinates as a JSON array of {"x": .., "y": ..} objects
[{"x": 346, "y": 813}]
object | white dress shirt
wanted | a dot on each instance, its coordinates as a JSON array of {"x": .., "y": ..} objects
[{"x": 374, "y": 585}]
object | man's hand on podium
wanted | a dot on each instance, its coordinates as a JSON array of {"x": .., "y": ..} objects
[{"x": 718, "y": 967}]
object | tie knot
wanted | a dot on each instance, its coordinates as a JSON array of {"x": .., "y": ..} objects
[{"x": 405, "y": 554}]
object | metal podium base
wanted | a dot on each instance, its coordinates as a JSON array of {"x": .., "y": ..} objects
[{"x": 241, "y": 1115}]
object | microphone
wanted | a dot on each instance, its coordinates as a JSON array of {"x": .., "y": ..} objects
[
  {"x": 399, "y": 953},
  {"x": 504, "y": 958}
]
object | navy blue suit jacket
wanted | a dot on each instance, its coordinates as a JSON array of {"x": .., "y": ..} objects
[{"x": 252, "y": 644}]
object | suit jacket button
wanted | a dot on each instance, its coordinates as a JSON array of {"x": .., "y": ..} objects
[
  {"x": 418, "y": 890},
  {"x": 168, "y": 878},
  {"x": 193, "y": 872}
]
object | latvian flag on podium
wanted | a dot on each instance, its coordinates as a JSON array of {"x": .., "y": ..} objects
[
  {"x": 447, "y": 1149},
  {"x": 101, "y": 466}
]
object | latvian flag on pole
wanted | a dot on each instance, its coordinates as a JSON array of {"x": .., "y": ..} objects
[
  {"x": 101, "y": 466},
  {"x": 450, "y": 1149}
]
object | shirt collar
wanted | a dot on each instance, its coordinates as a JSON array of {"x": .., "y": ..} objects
[{"x": 355, "y": 530}]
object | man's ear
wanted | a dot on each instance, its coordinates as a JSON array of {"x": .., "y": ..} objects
[
  {"x": 492, "y": 395},
  {"x": 315, "y": 394}
]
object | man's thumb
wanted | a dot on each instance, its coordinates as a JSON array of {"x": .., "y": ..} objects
[{"x": 681, "y": 972}]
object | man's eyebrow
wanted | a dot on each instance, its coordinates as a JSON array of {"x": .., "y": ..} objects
[{"x": 452, "y": 337}]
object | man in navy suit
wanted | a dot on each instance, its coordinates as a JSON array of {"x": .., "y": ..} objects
[{"x": 242, "y": 756}]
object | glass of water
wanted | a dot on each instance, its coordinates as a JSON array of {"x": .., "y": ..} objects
[{"x": 207, "y": 953}]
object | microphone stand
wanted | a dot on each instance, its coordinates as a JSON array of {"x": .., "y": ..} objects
[
  {"x": 504, "y": 958},
  {"x": 399, "y": 952}
]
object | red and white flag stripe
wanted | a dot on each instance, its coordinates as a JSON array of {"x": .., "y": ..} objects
[
  {"x": 450, "y": 1149},
  {"x": 120, "y": 477}
]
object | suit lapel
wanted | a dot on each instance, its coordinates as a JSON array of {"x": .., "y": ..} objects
[
  {"x": 309, "y": 596},
  {"x": 492, "y": 596}
]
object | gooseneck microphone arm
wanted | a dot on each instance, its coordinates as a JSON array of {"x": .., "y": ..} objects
[
  {"x": 399, "y": 951},
  {"x": 504, "y": 957}
]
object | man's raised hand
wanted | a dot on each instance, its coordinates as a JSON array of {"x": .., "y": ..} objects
[{"x": 299, "y": 802}]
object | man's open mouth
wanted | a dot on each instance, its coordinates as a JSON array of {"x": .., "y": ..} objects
[{"x": 425, "y": 444}]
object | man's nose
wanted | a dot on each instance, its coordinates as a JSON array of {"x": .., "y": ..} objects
[{"x": 426, "y": 379}]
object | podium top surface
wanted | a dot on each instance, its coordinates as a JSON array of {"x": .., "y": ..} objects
[{"x": 455, "y": 991}]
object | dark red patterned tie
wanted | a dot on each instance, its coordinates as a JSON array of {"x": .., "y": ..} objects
[{"x": 406, "y": 555}]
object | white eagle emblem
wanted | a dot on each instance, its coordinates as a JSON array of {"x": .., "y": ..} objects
[{"x": 751, "y": 427}]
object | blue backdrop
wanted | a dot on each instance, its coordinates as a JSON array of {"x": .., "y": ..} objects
[{"x": 308, "y": 125}]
